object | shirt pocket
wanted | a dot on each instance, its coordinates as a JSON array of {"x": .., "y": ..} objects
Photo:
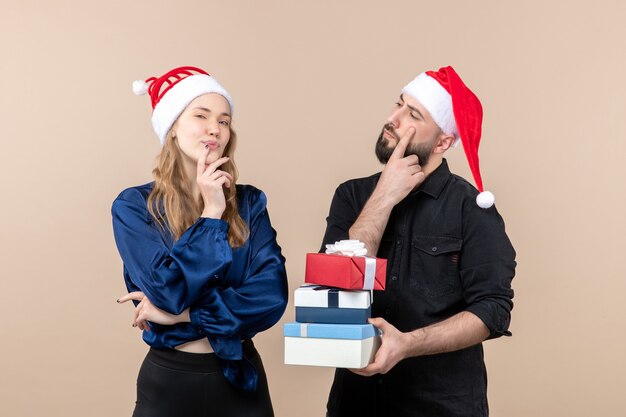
[{"x": 434, "y": 266}]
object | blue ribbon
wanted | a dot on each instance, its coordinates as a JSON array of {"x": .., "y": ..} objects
[
  {"x": 333, "y": 298},
  {"x": 333, "y": 295}
]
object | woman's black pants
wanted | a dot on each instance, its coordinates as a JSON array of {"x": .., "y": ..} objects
[{"x": 172, "y": 383}]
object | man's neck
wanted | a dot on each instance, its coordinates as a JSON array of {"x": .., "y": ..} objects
[{"x": 433, "y": 164}]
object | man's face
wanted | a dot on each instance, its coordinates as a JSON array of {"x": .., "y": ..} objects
[{"x": 408, "y": 112}]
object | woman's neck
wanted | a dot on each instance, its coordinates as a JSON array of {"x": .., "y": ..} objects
[{"x": 191, "y": 171}]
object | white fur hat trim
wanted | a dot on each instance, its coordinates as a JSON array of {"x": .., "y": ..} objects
[
  {"x": 436, "y": 100},
  {"x": 178, "y": 98}
]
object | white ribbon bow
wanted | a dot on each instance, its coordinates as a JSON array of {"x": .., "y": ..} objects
[
  {"x": 356, "y": 248},
  {"x": 347, "y": 248}
]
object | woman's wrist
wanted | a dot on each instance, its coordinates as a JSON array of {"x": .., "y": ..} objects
[
  {"x": 184, "y": 317},
  {"x": 212, "y": 213}
]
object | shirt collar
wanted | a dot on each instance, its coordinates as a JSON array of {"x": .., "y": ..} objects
[{"x": 434, "y": 183}]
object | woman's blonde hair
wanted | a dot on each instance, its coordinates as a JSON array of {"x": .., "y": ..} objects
[{"x": 173, "y": 206}]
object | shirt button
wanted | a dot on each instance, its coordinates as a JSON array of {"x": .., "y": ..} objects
[
  {"x": 434, "y": 249},
  {"x": 394, "y": 278},
  {"x": 398, "y": 242},
  {"x": 215, "y": 276}
]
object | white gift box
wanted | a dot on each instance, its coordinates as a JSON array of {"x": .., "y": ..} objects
[
  {"x": 319, "y": 296},
  {"x": 333, "y": 345}
]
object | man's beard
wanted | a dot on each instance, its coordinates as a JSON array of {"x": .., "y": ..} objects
[{"x": 421, "y": 150}]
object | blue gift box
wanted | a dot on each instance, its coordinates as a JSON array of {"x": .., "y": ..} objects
[{"x": 333, "y": 315}]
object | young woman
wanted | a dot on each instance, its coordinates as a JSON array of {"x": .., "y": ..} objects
[{"x": 200, "y": 258}]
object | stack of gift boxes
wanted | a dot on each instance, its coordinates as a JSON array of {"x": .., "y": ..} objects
[{"x": 331, "y": 327}]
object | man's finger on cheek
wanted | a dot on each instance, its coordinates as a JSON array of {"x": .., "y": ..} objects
[
  {"x": 408, "y": 135},
  {"x": 398, "y": 152},
  {"x": 400, "y": 149}
]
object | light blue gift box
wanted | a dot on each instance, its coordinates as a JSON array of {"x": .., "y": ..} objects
[{"x": 333, "y": 345}]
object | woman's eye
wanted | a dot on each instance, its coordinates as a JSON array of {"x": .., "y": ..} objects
[
  {"x": 225, "y": 123},
  {"x": 415, "y": 116},
  {"x": 200, "y": 116}
]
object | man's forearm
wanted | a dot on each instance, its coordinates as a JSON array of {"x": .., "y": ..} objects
[
  {"x": 458, "y": 332},
  {"x": 371, "y": 223}
]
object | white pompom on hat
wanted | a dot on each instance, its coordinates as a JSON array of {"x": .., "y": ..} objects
[
  {"x": 172, "y": 92},
  {"x": 457, "y": 111}
]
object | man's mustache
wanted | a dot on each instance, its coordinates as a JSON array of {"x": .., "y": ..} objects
[{"x": 389, "y": 127}]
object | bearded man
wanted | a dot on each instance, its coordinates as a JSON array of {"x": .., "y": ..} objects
[{"x": 450, "y": 262}]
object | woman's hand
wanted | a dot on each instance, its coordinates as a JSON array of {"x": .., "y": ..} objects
[
  {"x": 146, "y": 311},
  {"x": 210, "y": 181}
]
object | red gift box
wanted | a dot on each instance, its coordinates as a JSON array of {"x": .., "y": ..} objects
[{"x": 339, "y": 271}]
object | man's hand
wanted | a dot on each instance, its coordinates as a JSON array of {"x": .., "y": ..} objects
[
  {"x": 394, "y": 348},
  {"x": 401, "y": 174},
  {"x": 460, "y": 331}
]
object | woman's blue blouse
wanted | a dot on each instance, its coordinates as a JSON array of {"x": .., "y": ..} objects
[{"x": 232, "y": 294}]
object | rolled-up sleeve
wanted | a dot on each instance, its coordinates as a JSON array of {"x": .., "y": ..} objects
[{"x": 487, "y": 267}]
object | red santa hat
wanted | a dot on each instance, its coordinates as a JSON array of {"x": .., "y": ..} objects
[
  {"x": 172, "y": 92},
  {"x": 458, "y": 112}
]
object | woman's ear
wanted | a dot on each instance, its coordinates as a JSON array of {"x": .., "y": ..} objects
[{"x": 173, "y": 129}]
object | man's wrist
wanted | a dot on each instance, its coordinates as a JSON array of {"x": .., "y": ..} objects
[
  {"x": 415, "y": 342},
  {"x": 380, "y": 199}
]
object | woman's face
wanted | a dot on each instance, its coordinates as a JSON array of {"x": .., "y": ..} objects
[{"x": 204, "y": 123}]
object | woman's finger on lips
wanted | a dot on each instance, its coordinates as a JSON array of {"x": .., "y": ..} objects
[{"x": 201, "y": 165}]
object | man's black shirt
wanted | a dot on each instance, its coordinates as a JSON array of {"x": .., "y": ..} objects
[{"x": 445, "y": 255}]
